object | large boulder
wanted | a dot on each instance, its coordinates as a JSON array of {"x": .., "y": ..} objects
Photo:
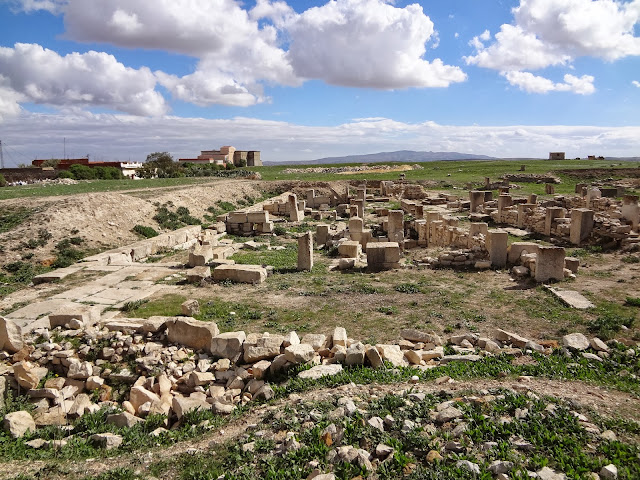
[
  {"x": 302, "y": 353},
  {"x": 240, "y": 273},
  {"x": 575, "y": 341},
  {"x": 10, "y": 336},
  {"x": 19, "y": 423},
  {"x": 191, "y": 333}
]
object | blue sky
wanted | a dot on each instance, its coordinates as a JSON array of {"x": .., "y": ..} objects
[{"x": 300, "y": 80}]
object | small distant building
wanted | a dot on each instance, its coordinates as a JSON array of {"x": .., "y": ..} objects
[
  {"x": 227, "y": 155},
  {"x": 128, "y": 169},
  {"x": 556, "y": 155}
]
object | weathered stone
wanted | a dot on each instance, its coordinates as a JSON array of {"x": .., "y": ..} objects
[
  {"x": 94, "y": 382},
  {"x": 200, "y": 255},
  {"x": 88, "y": 315},
  {"x": 469, "y": 466},
  {"x": 305, "y": 252},
  {"x": 264, "y": 393},
  {"x": 139, "y": 395},
  {"x": 575, "y": 341},
  {"x": 198, "y": 274},
  {"x": 414, "y": 335},
  {"x": 512, "y": 338},
  {"x": 190, "y": 308},
  {"x": 10, "y": 336},
  {"x": 56, "y": 382},
  {"x": 106, "y": 440},
  {"x": 25, "y": 376},
  {"x": 124, "y": 419},
  {"x": 191, "y": 332},
  {"x": 260, "y": 369},
  {"x": 228, "y": 345},
  {"x": 316, "y": 340},
  {"x": 182, "y": 405},
  {"x": 609, "y": 472},
  {"x": 374, "y": 357},
  {"x": 80, "y": 370},
  {"x": 448, "y": 414},
  {"x": 302, "y": 353},
  {"x": 265, "y": 348},
  {"x": 598, "y": 345},
  {"x": 392, "y": 354},
  {"x": 80, "y": 405},
  {"x": 240, "y": 273},
  {"x": 19, "y": 423},
  {"x": 340, "y": 336},
  {"x": 355, "y": 354},
  {"x": 201, "y": 378},
  {"x": 319, "y": 371}
]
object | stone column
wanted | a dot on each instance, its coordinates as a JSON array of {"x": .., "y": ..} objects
[
  {"x": 477, "y": 229},
  {"x": 305, "y": 252},
  {"x": 522, "y": 213},
  {"x": 549, "y": 264},
  {"x": 581, "y": 225},
  {"x": 550, "y": 215},
  {"x": 360, "y": 205},
  {"x": 476, "y": 198},
  {"x": 356, "y": 225},
  {"x": 395, "y": 228},
  {"x": 504, "y": 201},
  {"x": 322, "y": 234},
  {"x": 549, "y": 189},
  {"x": 419, "y": 211},
  {"x": 361, "y": 193},
  {"x": 533, "y": 199},
  {"x": 497, "y": 246},
  {"x": 294, "y": 214},
  {"x": 593, "y": 194},
  {"x": 631, "y": 210}
]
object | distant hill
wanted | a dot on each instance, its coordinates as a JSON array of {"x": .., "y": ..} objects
[{"x": 399, "y": 156}]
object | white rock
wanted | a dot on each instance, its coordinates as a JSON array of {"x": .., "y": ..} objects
[
  {"x": 19, "y": 423},
  {"x": 576, "y": 341}
]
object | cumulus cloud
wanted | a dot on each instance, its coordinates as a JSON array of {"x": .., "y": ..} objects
[
  {"x": 531, "y": 83},
  {"x": 29, "y": 6},
  {"x": 120, "y": 137},
  {"x": 554, "y": 32},
  {"x": 35, "y": 74},
  {"x": 635, "y": 83},
  {"x": 367, "y": 43}
]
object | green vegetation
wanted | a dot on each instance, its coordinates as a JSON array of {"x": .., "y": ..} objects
[
  {"x": 283, "y": 261},
  {"x": 3, "y": 181},
  {"x": 144, "y": 231},
  {"x": 83, "y": 172},
  {"x": 11, "y": 217},
  {"x": 168, "y": 305},
  {"x": 17, "y": 275},
  {"x": 173, "y": 220},
  {"x": 67, "y": 254}
]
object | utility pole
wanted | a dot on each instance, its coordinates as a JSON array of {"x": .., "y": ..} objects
[
  {"x": 1, "y": 156},
  {"x": 64, "y": 156}
]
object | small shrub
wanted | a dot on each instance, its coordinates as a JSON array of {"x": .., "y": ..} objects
[
  {"x": 144, "y": 231},
  {"x": 279, "y": 230},
  {"x": 632, "y": 301},
  {"x": 608, "y": 324},
  {"x": 3, "y": 181},
  {"x": 133, "y": 305},
  {"x": 407, "y": 288},
  {"x": 631, "y": 259}
]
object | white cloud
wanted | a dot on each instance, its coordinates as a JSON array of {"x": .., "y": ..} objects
[
  {"x": 34, "y": 74},
  {"x": 29, "y": 6},
  {"x": 367, "y": 43},
  {"x": 531, "y": 83},
  {"x": 120, "y": 137},
  {"x": 554, "y": 32},
  {"x": 635, "y": 83}
]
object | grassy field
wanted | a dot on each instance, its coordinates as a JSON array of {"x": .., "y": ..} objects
[{"x": 448, "y": 174}]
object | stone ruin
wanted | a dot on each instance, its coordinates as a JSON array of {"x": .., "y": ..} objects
[{"x": 71, "y": 364}]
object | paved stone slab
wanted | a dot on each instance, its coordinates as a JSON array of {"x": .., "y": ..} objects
[
  {"x": 36, "y": 309},
  {"x": 516, "y": 232},
  {"x": 572, "y": 298},
  {"x": 56, "y": 275},
  {"x": 80, "y": 292}
]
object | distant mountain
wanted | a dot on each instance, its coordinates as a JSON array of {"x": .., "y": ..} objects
[{"x": 400, "y": 156}]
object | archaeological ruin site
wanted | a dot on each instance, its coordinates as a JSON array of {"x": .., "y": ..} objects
[{"x": 330, "y": 329}]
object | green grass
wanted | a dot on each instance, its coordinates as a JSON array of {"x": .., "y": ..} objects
[
  {"x": 11, "y": 217},
  {"x": 283, "y": 261},
  {"x": 168, "y": 305}
]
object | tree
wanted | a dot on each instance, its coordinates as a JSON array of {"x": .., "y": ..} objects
[
  {"x": 162, "y": 164},
  {"x": 82, "y": 172}
]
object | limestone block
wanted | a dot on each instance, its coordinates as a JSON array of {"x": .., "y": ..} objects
[
  {"x": 414, "y": 335},
  {"x": 356, "y": 225},
  {"x": 302, "y": 353},
  {"x": 319, "y": 371},
  {"x": 340, "y": 336},
  {"x": 140, "y": 395},
  {"x": 124, "y": 419},
  {"x": 392, "y": 354},
  {"x": 497, "y": 246},
  {"x": 191, "y": 332},
  {"x": 87, "y": 314},
  {"x": 576, "y": 341},
  {"x": 374, "y": 357},
  {"x": 200, "y": 255},
  {"x": 316, "y": 340},
  {"x": 355, "y": 354},
  {"x": 581, "y": 225},
  {"x": 572, "y": 264},
  {"x": 512, "y": 338},
  {"x": 106, "y": 440},
  {"x": 265, "y": 348},
  {"x": 549, "y": 264},
  {"x": 305, "y": 252},
  {"x": 322, "y": 234},
  {"x": 516, "y": 249},
  {"x": 80, "y": 370},
  {"x": 228, "y": 345},
  {"x": 19, "y": 423},
  {"x": 181, "y": 405},
  {"x": 198, "y": 274},
  {"x": 240, "y": 273},
  {"x": 10, "y": 336},
  {"x": 350, "y": 249},
  {"x": 25, "y": 375},
  {"x": 258, "y": 217},
  {"x": 190, "y": 308}
]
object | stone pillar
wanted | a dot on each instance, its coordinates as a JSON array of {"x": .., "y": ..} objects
[
  {"x": 422, "y": 229},
  {"x": 353, "y": 210},
  {"x": 487, "y": 182},
  {"x": 395, "y": 228},
  {"x": 295, "y": 215},
  {"x": 360, "y": 205},
  {"x": 311, "y": 194},
  {"x": 503, "y": 190},
  {"x": 305, "y": 252},
  {"x": 549, "y": 189},
  {"x": 419, "y": 211},
  {"x": 581, "y": 225},
  {"x": 497, "y": 246},
  {"x": 523, "y": 168},
  {"x": 361, "y": 193},
  {"x": 504, "y": 201},
  {"x": 631, "y": 210},
  {"x": 580, "y": 188},
  {"x": 488, "y": 196},
  {"x": 322, "y": 234},
  {"x": 550, "y": 215},
  {"x": 593, "y": 194},
  {"x": 522, "y": 213},
  {"x": 476, "y": 199},
  {"x": 533, "y": 199},
  {"x": 549, "y": 264},
  {"x": 477, "y": 229},
  {"x": 356, "y": 225}
]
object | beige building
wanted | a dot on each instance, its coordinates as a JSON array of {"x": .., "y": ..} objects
[
  {"x": 227, "y": 155},
  {"x": 556, "y": 155}
]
